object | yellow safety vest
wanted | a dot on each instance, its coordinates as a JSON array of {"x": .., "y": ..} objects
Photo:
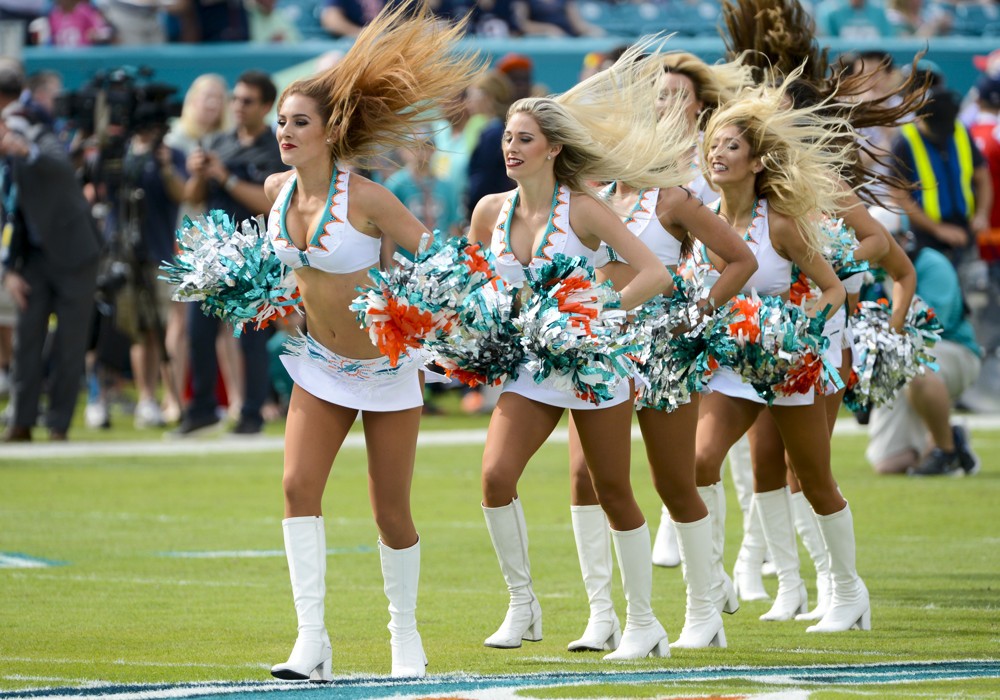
[{"x": 925, "y": 170}]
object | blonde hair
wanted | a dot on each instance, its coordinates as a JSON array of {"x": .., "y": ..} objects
[
  {"x": 602, "y": 141},
  {"x": 497, "y": 86},
  {"x": 188, "y": 122},
  {"x": 390, "y": 83},
  {"x": 714, "y": 85},
  {"x": 801, "y": 149}
]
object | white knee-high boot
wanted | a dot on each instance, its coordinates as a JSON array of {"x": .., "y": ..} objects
[
  {"x": 723, "y": 592},
  {"x": 305, "y": 549},
  {"x": 400, "y": 575},
  {"x": 747, "y": 579},
  {"x": 776, "y": 520},
  {"x": 849, "y": 604},
  {"x": 808, "y": 530},
  {"x": 509, "y": 534},
  {"x": 741, "y": 470},
  {"x": 665, "y": 551},
  {"x": 593, "y": 546},
  {"x": 702, "y": 620},
  {"x": 644, "y": 635}
]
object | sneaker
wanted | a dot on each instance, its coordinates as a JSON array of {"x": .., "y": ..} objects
[
  {"x": 938, "y": 463},
  {"x": 148, "y": 415},
  {"x": 247, "y": 426},
  {"x": 190, "y": 427},
  {"x": 967, "y": 459},
  {"x": 95, "y": 416}
]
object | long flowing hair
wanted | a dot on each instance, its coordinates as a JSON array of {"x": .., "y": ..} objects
[
  {"x": 609, "y": 128},
  {"x": 777, "y": 37},
  {"x": 391, "y": 83},
  {"x": 801, "y": 150},
  {"x": 714, "y": 84}
]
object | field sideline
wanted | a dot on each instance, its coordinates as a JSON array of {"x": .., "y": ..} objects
[{"x": 139, "y": 561}]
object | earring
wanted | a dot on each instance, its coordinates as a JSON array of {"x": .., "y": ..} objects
[{"x": 549, "y": 157}]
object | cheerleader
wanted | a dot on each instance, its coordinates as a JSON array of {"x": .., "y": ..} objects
[
  {"x": 327, "y": 223},
  {"x": 779, "y": 36},
  {"x": 552, "y": 147},
  {"x": 665, "y": 220},
  {"x": 777, "y": 169}
]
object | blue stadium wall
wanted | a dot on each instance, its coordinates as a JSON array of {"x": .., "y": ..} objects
[{"x": 557, "y": 61}]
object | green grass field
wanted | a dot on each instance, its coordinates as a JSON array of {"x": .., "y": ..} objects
[{"x": 170, "y": 570}]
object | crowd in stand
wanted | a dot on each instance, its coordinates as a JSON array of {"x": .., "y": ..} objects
[{"x": 76, "y": 23}]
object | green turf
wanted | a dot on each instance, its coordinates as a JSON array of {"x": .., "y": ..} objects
[{"x": 118, "y": 610}]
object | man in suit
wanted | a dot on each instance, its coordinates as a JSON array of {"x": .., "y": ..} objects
[{"x": 50, "y": 259}]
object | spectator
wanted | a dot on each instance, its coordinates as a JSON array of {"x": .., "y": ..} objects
[
  {"x": 24, "y": 12},
  {"x": 519, "y": 70},
  {"x": 918, "y": 18},
  {"x": 228, "y": 174},
  {"x": 151, "y": 190},
  {"x": 852, "y": 19},
  {"x": 901, "y": 432},
  {"x": 76, "y": 23},
  {"x": 203, "y": 115},
  {"x": 487, "y": 18},
  {"x": 40, "y": 101},
  {"x": 490, "y": 96},
  {"x": 212, "y": 21},
  {"x": 952, "y": 194},
  {"x": 270, "y": 26},
  {"x": 989, "y": 64},
  {"x": 433, "y": 200},
  {"x": 348, "y": 17},
  {"x": 138, "y": 22},
  {"x": 49, "y": 268},
  {"x": 454, "y": 140},
  {"x": 552, "y": 18}
]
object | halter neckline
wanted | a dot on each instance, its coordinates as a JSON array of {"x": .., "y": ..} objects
[{"x": 549, "y": 226}]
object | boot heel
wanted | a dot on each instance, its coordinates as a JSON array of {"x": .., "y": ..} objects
[
  {"x": 614, "y": 640},
  {"x": 719, "y": 640},
  {"x": 661, "y": 650},
  {"x": 731, "y": 604},
  {"x": 322, "y": 673},
  {"x": 804, "y": 597},
  {"x": 864, "y": 622},
  {"x": 534, "y": 631}
]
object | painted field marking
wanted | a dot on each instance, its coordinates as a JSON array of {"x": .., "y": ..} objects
[
  {"x": 17, "y": 560},
  {"x": 379, "y": 687},
  {"x": 260, "y": 553},
  {"x": 428, "y": 438}
]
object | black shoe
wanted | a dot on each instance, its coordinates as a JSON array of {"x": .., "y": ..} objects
[
  {"x": 938, "y": 463},
  {"x": 967, "y": 459},
  {"x": 247, "y": 426},
  {"x": 190, "y": 427}
]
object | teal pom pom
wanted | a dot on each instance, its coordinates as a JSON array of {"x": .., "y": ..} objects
[{"x": 232, "y": 270}]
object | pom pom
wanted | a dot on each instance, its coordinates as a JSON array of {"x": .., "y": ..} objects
[
  {"x": 888, "y": 360},
  {"x": 839, "y": 244},
  {"x": 232, "y": 270},
  {"x": 679, "y": 347},
  {"x": 484, "y": 346},
  {"x": 779, "y": 349},
  {"x": 420, "y": 299},
  {"x": 570, "y": 328}
]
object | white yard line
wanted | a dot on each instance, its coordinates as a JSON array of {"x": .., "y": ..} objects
[{"x": 229, "y": 445}]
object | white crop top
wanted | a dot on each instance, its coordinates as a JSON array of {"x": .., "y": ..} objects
[
  {"x": 559, "y": 237},
  {"x": 774, "y": 274},
  {"x": 645, "y": 224},
  {"x": 335, "y": 246}
]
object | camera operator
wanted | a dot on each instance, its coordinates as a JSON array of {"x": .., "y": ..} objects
[
  {"x": 50, "y": 266},
  {"x": 151, "y": 189},
  {"x": 229, "y": 174}
]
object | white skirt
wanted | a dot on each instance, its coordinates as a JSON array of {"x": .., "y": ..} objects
[
  {"x": 548, "y": 393},
  {"x": 365, "y": 385},
  {"x": 727, "y": 382}
]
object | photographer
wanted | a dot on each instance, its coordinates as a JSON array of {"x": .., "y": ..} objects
[
  {"x": 151, "y": 189},
  {"x": 49, "y": 268},
  {"x": 228, "y": 174}
]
